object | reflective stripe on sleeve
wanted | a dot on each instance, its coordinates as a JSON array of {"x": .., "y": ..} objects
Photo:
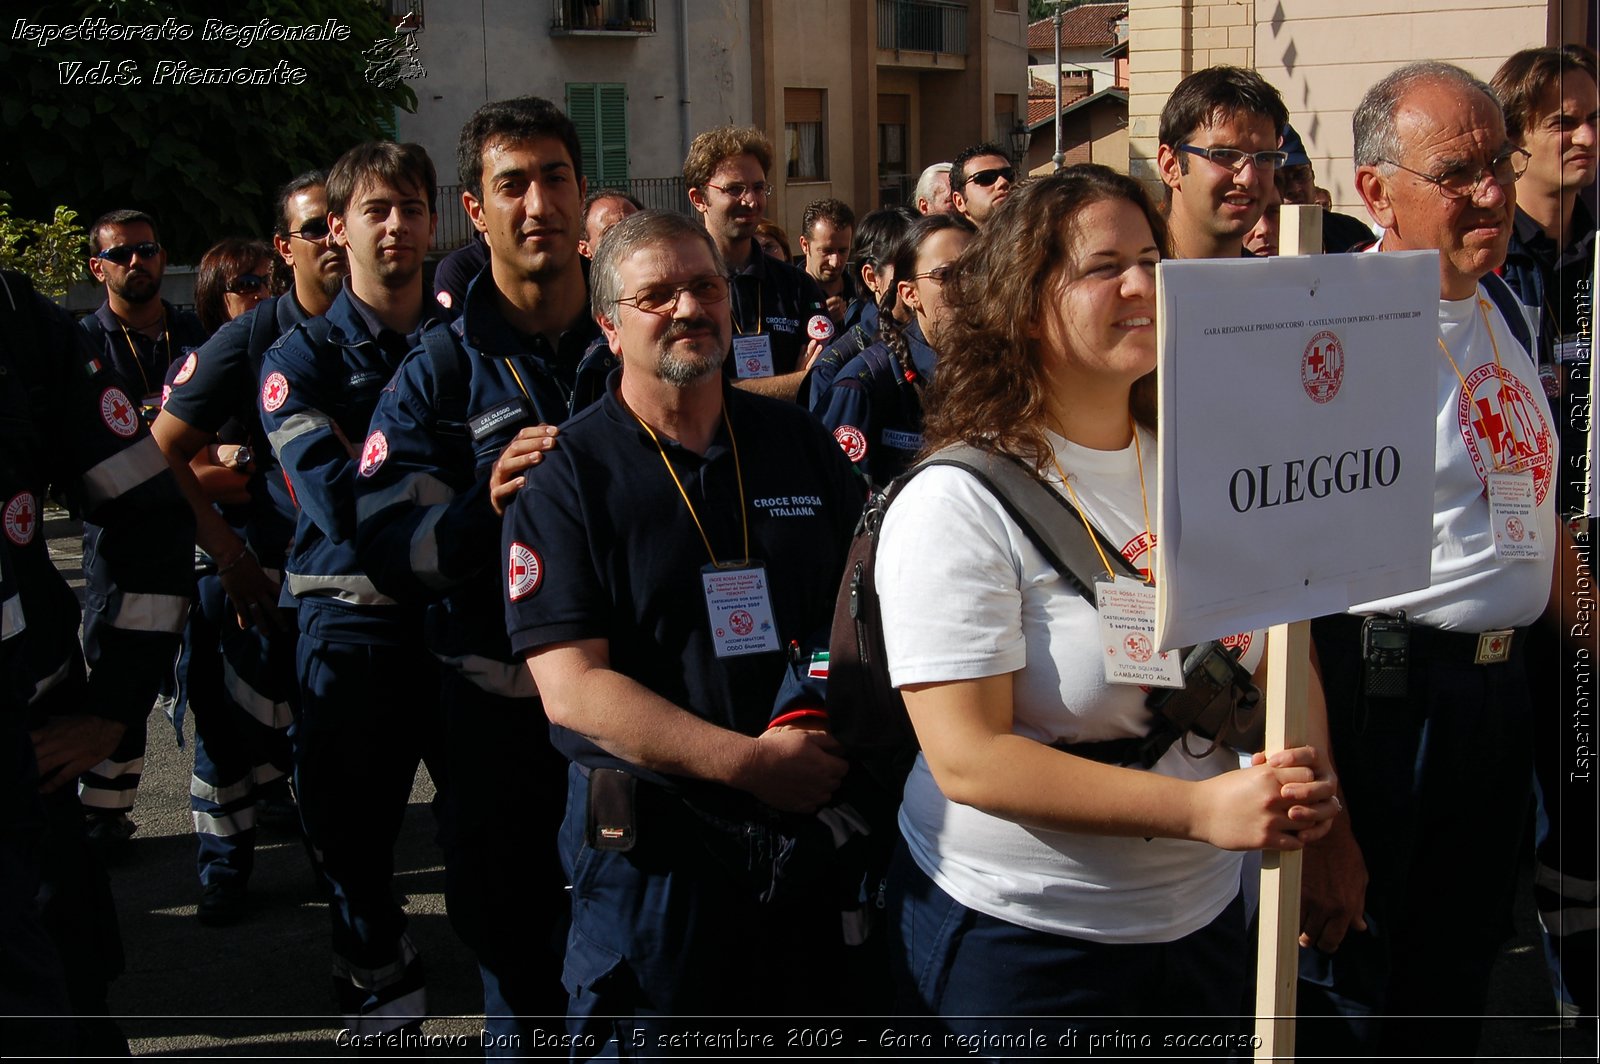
[
  {"x": 296, "y": 425},
  {"x": 419, "y": 489},
  {"x": 131, "y": 611},
  {"x": 504, "y": 678},
  {"x": 12, "y": 621},
  {"x": 425, "y": 552},
  {"x": 1571, "y": 888},
  {"x": 45, "y": 685},
  {"x": 354, "y": 588},
  {"x": 124, "y": 471}
]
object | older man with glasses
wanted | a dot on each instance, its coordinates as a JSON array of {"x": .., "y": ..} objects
[
  {"x": 1218, "y": 154},
  {"x": 1405, "y": 907}
]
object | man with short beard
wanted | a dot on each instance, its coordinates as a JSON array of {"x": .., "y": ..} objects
[
  {"x": 779, "y": 323},
  {"x": 659, "y": 563},
  {"x": 242, "y": 754},
  {"x": 138, "y": 334},
  {"x": 468, "y": 413}
]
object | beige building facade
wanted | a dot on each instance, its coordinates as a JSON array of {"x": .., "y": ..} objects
[
  {"x": 881, "y": 89},
  {"x": 1322, "y": 55}
]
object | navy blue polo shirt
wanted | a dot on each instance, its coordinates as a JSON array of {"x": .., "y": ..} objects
[
  {"x": 775, "y": 299},
  {"x": 616, "y": 555}
]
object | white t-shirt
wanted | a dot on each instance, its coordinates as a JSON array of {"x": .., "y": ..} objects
[
  {"x": 965, "y": 595},
  {"x": 1500, "y": 420}
]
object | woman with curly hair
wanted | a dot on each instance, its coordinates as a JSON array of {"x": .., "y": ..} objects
[{"x": 1033, "y": 879}]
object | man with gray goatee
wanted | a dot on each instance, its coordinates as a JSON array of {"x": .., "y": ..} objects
[{"x": 1406, "y": 903}]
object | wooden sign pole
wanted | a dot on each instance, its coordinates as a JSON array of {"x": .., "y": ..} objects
[{"x": 1288, "y": 674}]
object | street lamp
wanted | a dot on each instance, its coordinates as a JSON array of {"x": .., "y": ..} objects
[{"x": 1020, "y": 140}]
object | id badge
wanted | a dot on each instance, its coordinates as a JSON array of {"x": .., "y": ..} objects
[
  {"x": 1512, "y": 517},
  {"x": 1127, "y": 612},
  {"x": 752, "y": 356},
  {"x": 1572, "y": 349},
  {"x": 740, "y": 608}
]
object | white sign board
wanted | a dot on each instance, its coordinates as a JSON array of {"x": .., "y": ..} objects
[{"x": 1297, "y": 437}]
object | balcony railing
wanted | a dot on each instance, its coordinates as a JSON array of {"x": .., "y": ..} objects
[
  {"x": 615, "y": 18},
  {"x": 937, "y": 26}
]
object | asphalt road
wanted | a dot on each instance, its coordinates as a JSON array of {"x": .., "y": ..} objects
[{"x": 262, "y": 987}]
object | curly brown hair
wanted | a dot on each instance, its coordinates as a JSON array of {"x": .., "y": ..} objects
[
  {"x": 991, "y": 387},
  {"x": 709, "y": 149}
]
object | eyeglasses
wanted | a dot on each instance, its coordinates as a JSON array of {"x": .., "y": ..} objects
[
  {"x": 1465, "y": 181},
  {"x": 739, "y": 191},
  {"x": 663, "y": 299},
  {"x": 123, "y": 254},
  {"x": 1233, "y": 160},
  {"x": 247, "y": 284},
  {"x": 938, "y": 275},
  {"x": 314, "y": 231},
  {"x": 985, "y": 178}
]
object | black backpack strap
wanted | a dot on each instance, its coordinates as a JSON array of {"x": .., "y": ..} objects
[
  {"x": 1038, "y": 509},
  {"x": 1510, "y": 309}
]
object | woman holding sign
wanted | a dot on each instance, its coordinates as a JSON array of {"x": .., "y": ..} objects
[{"x": 1034, "y": 880}]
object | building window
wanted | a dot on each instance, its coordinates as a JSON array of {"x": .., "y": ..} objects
[
  {"x": 1005, "y": 115},
  {"x": 894, "y": 147},
  {"x": 1005, "y": 5},
  {"x": 600, "y": 111},
  {"x": 803, "y": 130}
]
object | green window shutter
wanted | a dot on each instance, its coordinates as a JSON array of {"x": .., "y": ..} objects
[
  {"x": 600, "y": 113},
  {"x": 583, "y": 109},
  {"x": 613, "y": 136}
]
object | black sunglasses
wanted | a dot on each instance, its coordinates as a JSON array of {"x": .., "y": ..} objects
[
  {"x": 986, "y": 178},
  {"x": 123, "y": 254},
  {"x": 315, "y": 230},
  {"x": 247, "y": 284}
]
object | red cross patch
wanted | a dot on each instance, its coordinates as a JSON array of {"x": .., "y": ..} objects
[
  {"x": 525, "y": 571},
  {"x": 274, "y": 392},
  {"x": 21, "y": 518},
  {"x": 373, "y": 452},
  {"x": 118, "y": 412},
  {"x": 853, "y": 441},
  {"x": 183, "y": 375},
  {"x": 820, "y": 327},
  {"x": 1504, "y": 427}
]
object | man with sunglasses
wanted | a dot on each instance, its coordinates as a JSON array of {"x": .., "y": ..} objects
[
  {"x": 981, "y": 178},
  {"x": 779, "y": 322},
  {"x": 1406, "y": 902},
  {"x": 1217, "y": 155},
  {"x": 242, "y": 754},
  {"x": 655, "y": 621},
  {"x": 140, "y": 335}
]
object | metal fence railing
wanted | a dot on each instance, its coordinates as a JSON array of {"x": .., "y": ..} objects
[{"x": 938, "y": 26}]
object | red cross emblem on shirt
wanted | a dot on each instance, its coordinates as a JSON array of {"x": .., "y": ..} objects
[
  {"x": 19, "y": 519},
  {"x": 373, "y": 452}
]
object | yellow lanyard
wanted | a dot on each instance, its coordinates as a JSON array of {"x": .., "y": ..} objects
[
  {"x": 1149, "y": 536},
  {"x": 134, "y": 351},
  {"x": 523, "y": 388},
  {"x": 760, "y": 312},
  {"x": 1483, "y": 311},
  {"x": 738, "y": 472}
]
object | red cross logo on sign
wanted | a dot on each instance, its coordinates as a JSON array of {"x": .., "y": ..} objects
[
  {"x": 1322, "y": 367},
  {"x": 20, "y": 519},
  {"x": 274, "y": 392},
  {"x": 118, "y": 412},
  {"x": 373, "y": 452},
  {"x": 524, "y": 570}
]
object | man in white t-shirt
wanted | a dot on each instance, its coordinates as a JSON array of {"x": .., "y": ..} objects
[{"x": 1437, "y": 778}]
